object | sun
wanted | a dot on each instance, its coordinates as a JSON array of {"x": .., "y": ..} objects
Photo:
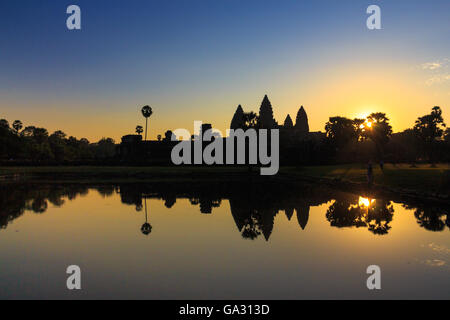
[
  {"x": 367, "y": 124},
  {"x": 365, "y": 202}
]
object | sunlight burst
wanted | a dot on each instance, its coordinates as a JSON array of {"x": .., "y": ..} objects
[{"x": 365, "y": 202}]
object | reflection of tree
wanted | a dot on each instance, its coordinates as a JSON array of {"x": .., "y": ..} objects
[
  {"x": 206, "y": 203},
  {"x": 252, "y": 228},
  {"x": 342, "y": 214},
  {"x": 55, "y": 199},
  {"x": 39, "y": 205},
  {"x": 146, "y": 227},
  {"x": 254, "y": 216},
  {"x": 248, "y": 219},
  {"x": 253, "y": 207},
  {"x": 379, "y": 216},
  {"x": 106, "y": 190},
  {"x": 16, "y": 198},
  {"x": 431, "y": 218},
  {"x": 170, "y": 201},
  {"x": 131, "y": 195},
  {"x": 375, "y": 215}
]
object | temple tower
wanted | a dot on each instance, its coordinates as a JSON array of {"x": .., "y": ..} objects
[
  {"x": 266, "y": 119},
  {"x": 288, "y": 124},
  {"x": 238, "y": 119},
  {"x": 301, "y": 123}
]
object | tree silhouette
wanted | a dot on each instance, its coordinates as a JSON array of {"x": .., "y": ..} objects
[
  {"x": 430, "y": 129},
  {"x": 139, "y": 130},
  {"x": 58, "y": 144},
  {"x": 168, "y": 135},
  {"x": 447, "y": 135},
  {"x": 340, "y": 131},
  {"x": 17, "y": 125},
  {"x": 159, "y": 137},
  {"x": 35, "y": 144},
  {"x": 146, "y": 112},
  {"x": 250, "y": 121},
  {"x": 4, "y": 124},
  {"x": 378, "y": 130}
]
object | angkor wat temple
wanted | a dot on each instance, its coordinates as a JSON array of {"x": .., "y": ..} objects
[
  {"x": 266, "y": 120},
  {"x": 297, "y": 144}
]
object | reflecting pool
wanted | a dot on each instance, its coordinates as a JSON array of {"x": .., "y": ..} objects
[{"x": 218, "y": 241}]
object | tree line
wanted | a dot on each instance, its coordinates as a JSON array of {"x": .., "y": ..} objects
[
  {"x": 427, "y": 141},
  {"x": 34, "y": 144},
  {"x": 345, "y": 140}
]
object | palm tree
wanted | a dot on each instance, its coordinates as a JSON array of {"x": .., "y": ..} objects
[
  {"x": 139, "y": 129},
  {"x": 146, "y": 112}
]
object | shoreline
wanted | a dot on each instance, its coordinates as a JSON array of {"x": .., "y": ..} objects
[{"x": 348, "y": 178}]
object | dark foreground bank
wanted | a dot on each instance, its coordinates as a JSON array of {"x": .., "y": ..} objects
[{"x": 420, "y": 181}]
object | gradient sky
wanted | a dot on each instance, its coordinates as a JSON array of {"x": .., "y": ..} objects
[{"x": 197, "y": 60}]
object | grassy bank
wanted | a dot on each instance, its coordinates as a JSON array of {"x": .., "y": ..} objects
[
  {"x": 116, "y": 173},
  {"x": 421, "y": 178}
]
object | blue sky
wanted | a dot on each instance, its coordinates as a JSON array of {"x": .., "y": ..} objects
[{"x": 196, "y": 60}]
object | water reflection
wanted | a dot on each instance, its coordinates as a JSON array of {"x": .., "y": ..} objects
[
  {"x": 430, "y": 218},
  {"x": 253, "y": 207},
  {"x": 351, "y": 211},
  {"x": 146, "y": 227}
]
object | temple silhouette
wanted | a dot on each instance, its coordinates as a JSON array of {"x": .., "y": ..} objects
[
  {"x": 298, "y": 145},
  {"x": 267, "y": 121}
]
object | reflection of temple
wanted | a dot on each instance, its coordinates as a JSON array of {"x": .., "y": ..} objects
[
  {"x": 255, "y": 213},
  {"x": 254, "y": 206}
]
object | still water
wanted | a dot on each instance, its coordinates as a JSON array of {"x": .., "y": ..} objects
[{"x": 215, "y": 241}]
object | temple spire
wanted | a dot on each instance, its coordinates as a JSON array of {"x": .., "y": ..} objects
[
  {"x": 288, "y": 124},
  {"x": 266, "y": 115},
  {"x": 301, "y": 123},
  {"x": 238, "y": 119}
]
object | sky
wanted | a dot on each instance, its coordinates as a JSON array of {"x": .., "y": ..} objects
[{"x": 198, "y": 60}]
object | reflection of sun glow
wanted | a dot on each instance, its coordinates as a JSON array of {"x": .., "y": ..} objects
[{"x": 365, "y": 202}]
